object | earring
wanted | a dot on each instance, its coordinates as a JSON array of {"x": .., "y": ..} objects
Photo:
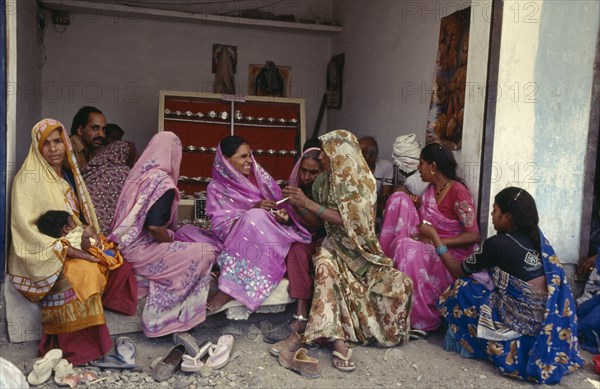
[{"x": 432, "y": 172}]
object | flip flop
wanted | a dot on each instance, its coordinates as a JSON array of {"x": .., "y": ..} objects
[
  {"x": 186, "y": 339},
  {"x": 64, "y": 374},
  {"x": 220, "y": 353},
  {"x": 125, "y": 348},
  {"x": 114, "y": 361},
  {"x": 414, "y": 334},
  {"x": 194, "y": 364},
  {"x": 42, "y": 368},
  {"x": 164, "y": 367},
  {"x": 346, "y": 359}
]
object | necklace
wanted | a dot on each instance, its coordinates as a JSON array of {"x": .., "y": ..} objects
[
  {"x": 520, "y": 245},
  {"x": 441, "y": 189}
]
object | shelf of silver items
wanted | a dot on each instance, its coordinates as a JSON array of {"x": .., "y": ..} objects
[
  {"x": 237, "y": 123},
  {"x": 274, "y": 153},
  {"x": 194, "y": 180},
  {"x": 207, "y": 150}
]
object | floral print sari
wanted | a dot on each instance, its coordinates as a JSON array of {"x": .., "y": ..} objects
[
  {"x": 499, "y": 324},
  {"x": 175, "y": 275},
  {"x": 418, "y": 259},
  {"x": 358, "y": 295},
  {"x": 254, "y": 244}
]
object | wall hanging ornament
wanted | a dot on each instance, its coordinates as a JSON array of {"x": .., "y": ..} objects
[
  {"x": 446, "y": 110},
  {"x": 224, "y": 63},
  {"x": 335, "y": 71}
]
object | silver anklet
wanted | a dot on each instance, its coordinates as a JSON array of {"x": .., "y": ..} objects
[{"x": 299, "y": 318}]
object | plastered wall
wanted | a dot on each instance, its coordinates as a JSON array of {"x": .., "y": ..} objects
[{"x": 542, "y": 122}]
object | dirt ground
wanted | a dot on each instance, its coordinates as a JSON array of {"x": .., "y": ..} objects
[{"x": 420, "y": 363}]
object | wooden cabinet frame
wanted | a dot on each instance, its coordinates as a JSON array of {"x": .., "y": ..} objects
[{"x": 274, "y": 127}]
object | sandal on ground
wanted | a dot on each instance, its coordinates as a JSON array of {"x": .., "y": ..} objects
[
  {"x": 64, "y": 374},
  {"x": 186, "y": 339},
  {"x": 414, "y": 334},
  {"x": 220, "y": 353},
  {"x": 125, "y": 347},
  {"x": 292, "y": 344},
  {"x": 300, "y": 362},
  {"x": 350, "y": 366},
  {"x": 164, "y": 367},
  {"x": 191, "y": 364},
  {"x": 277, "y": 334},
  {"x": 42, "y": 368},
  {"x": 114, "y": 361}
]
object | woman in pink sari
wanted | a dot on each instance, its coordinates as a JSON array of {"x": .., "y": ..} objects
[
  {"x": 255, "y": 231},
  {"x": 176, "y": 275},
  {"x": 448, "y": 206}
]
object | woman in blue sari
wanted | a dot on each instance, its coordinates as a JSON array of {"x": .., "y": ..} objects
[{"x": 526, "y": 324}]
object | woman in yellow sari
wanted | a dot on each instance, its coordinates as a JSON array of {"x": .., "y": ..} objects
[{"x": 36, "y": 261}]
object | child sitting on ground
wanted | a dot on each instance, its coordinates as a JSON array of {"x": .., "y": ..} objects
[{"x": 89, "y": 254}]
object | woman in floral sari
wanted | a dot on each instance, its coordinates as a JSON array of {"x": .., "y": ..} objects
[
  {"x": 525, "y": 323},
  {"x": 358, "y": 295},
  {"x": 36, "y": 261},
  {"x": 104, "y": 177},
  {"x": 448, "y": 206},
  {"x": 256, "y": 233},
  {"x": 176, "y": 275}
]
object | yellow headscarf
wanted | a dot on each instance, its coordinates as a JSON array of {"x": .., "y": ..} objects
[{"x": 35, "y": 260}]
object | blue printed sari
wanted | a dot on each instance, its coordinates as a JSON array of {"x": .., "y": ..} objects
[{"x": 525, "y": 332}]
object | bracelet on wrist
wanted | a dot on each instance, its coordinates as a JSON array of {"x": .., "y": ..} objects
[
  {"x": 441, "y": 250},
  {"x": 320, "y": 211},
  {"x": 306, "y": 203}
]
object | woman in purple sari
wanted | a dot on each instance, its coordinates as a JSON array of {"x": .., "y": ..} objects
[
  {"x": 176, "y": 275},
  {"x": 255, "y": 231}
]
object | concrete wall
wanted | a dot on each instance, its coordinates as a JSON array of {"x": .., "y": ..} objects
[
  {"x": 119, "y": 64},
  {"x": 544, "y": 102},
  {"x": 26, "y": 87},
  {"x": 390, "y": 49}
]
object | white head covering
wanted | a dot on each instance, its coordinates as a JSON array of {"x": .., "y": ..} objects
[{"x": 406, "y": 151}]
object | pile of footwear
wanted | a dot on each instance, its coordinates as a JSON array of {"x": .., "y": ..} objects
[
  {"x": 124, "y": 357},
  {"x": 64, "y": 374},
  {"x": 188, "y": 356}
]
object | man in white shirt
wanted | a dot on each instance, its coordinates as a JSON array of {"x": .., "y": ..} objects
[{"x": 382, "y": 170}]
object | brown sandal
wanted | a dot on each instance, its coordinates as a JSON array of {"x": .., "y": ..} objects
[{"x": 351, "y": 366}]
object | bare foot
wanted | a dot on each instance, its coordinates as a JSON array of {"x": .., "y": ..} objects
[
  {"x": 217, "y": 300},
  {"x": 342, "y": 356}
]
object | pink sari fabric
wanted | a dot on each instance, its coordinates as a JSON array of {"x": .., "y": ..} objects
[
  {"x": 176, "y": 274},
  {"x": 295, "y": 175},
  {"x": 418, "y": 259},
  {"x": 254, "y": 244}
]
